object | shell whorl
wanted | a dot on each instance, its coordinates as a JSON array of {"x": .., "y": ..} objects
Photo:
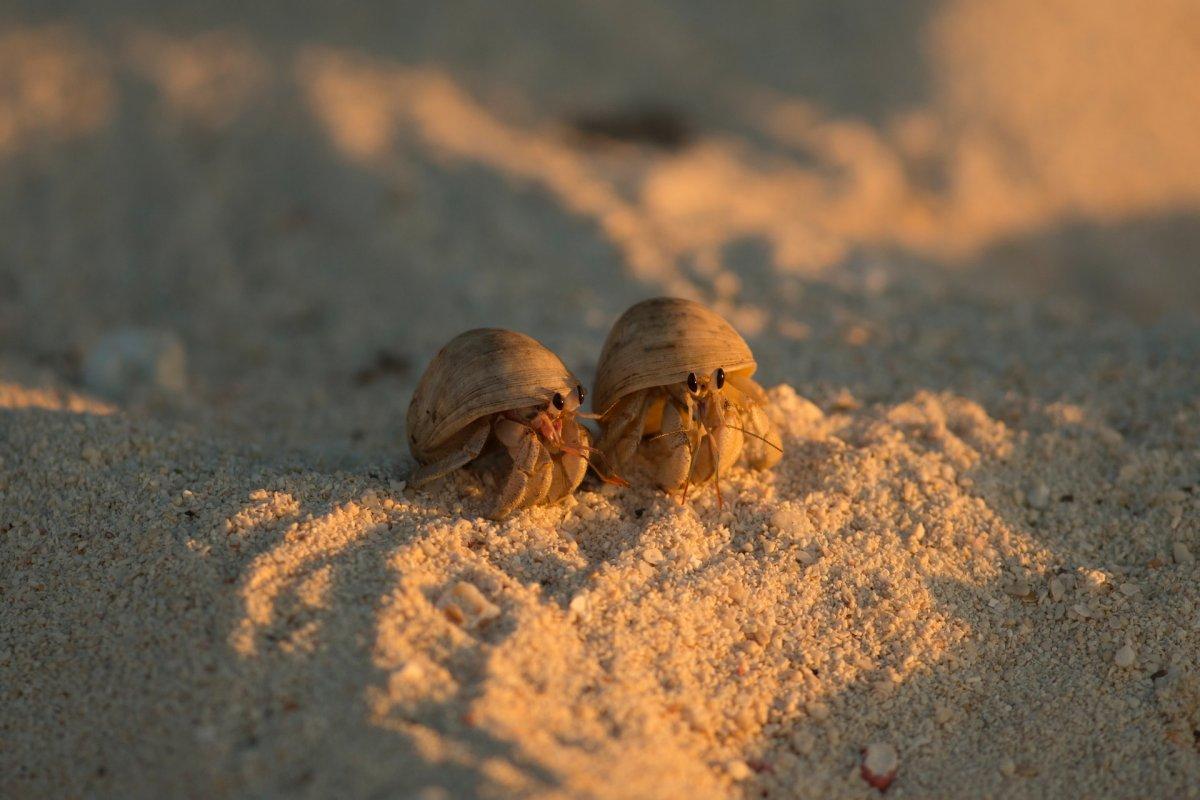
[
  {"x": 657, "y": 342},
  {"x": 478, "y": 373}
]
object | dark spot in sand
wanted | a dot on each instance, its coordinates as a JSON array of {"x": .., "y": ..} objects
[
  {"x": 647, "y": 123},
  {"x": 384, "y": 364}
]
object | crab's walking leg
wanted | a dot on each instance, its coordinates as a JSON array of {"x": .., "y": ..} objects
[
  {"x": 540, "y": 481},
  {"x": 727, "y": 437},
  {"x": 471, "y": 447},
  {"x": 670, "y": 452},
  {"x": 623, "y": 429},
  {"x": 763, "y": 447},
  {"x": 526, "y": 450},
  {"x": 570, "y": 465},
  {"x": 720, "y": 442}
]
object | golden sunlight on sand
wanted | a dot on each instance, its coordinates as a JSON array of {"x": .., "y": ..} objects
[
  {"x": 1088, "y": 118},
  {"x": 53, "y": 83}
]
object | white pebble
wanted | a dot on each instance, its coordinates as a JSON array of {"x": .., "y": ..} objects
[
  {"x": 818, "y": 710},
  {"x": 881, "y": 758},
  {"x": 1094, "y": 580},
  {"x": 131, "y": 359},
  {"x": 1181, "y": 553},
  {"x": 1038, "y": 495},
  {"x": 879, "y": 765},
  {"x": 412, "y": 672},
  {"x": 1125, "y": 657},
  {"x": 579, "y": 604},
  {"x": 653, "y": 556},
  {"x": 802, "y": 742},
  {"x": 739, "y": 770}
]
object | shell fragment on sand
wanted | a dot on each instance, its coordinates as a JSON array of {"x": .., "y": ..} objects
[
  {"x": 879, "y": 765},
  {"x": 465, "y": 605}
]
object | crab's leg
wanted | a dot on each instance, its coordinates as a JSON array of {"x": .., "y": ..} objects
[
  {"x": 471, "y": 447},
  {"x": 526, "y": 450},
  {"x": 721, "y": 443},
  {"x": 763, "y": 447},
  {"x": 538, "y": 488},
  {"x": 670, "y": 451},
  {"x": 624, "y": 432},
  {"x": 571, "y": 464}
]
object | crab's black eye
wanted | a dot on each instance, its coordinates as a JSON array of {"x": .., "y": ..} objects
[
  {"x": 581, "y": 392},
  {"x": 720, "y": 377},
  {"x": 558, "y": 401},
  {"x": 693, "y": 384}
]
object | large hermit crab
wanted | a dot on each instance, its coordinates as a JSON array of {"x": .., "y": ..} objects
[
  {"x": 491, "y": 387},
  {"x": 675, "y": 394}
]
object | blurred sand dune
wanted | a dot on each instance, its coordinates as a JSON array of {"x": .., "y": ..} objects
[{"x": 1036, "y": 115}]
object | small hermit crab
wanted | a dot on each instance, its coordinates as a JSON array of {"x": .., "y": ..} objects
[
  {"x": 491, "y": 388},
  {"x": 675, "y": 394}
]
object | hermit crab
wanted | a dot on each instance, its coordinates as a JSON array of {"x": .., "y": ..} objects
[
  {"x": 490, "y": 389},
  {"x": 675, "y": 394}
]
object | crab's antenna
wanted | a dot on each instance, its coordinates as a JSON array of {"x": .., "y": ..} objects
[
  {"x": 687, "y": 483},
  {"x": 613, "y": 477},
  {"x": 758, "y": 436},
  {"x": 587, "y": 451},
  {"x": 684, "y": 492},
  {"x": 602, "y": 414}
]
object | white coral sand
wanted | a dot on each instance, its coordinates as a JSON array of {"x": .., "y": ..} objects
[{"x": 967, "y": 271}]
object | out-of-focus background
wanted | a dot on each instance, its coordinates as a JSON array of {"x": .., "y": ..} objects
[{"x": 301, "y": 201}]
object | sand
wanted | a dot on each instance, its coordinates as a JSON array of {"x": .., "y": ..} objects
[{"x": 967, "y": 270}]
